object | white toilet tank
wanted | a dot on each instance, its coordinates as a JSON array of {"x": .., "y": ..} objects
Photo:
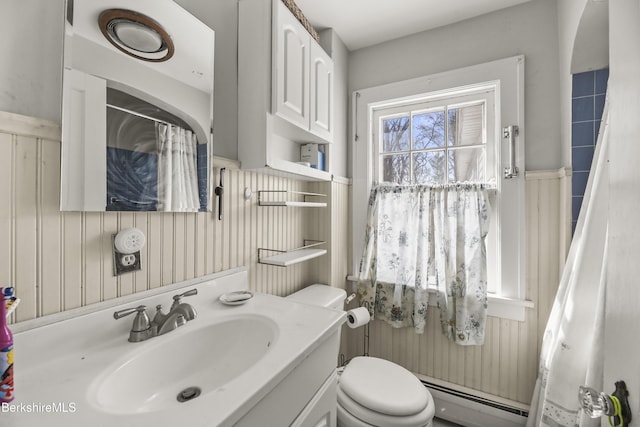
[{"x": 321, "y": 295}]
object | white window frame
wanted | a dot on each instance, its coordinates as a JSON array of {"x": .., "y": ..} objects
[
  {"x": 484, "y": 95},
  {"x": 506, "y": 77}
]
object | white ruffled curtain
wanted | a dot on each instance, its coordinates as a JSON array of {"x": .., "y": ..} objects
[
  {"x": 177, "y": 169},
  {"x": 422, "y": 236},
  {"x": 573, "y": 342}
]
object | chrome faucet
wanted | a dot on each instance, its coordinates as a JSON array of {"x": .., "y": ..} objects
[
  {"x": 143, "y": 329},
  {"x": 187, "y": 310},
  {"x": 179, "y": 314}
]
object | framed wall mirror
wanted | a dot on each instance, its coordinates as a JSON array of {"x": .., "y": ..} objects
[{"x": 137, "y": 107}]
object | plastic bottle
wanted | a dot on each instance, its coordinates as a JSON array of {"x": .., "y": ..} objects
[{"x": 6, "y": 354}]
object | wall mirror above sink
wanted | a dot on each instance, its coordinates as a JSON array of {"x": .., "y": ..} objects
[{"x": 137, "y": 107}]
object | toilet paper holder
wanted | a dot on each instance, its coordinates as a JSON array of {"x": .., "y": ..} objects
[
  {"x": 365, "y": 304},
  {"x": 350, "y": 298}
]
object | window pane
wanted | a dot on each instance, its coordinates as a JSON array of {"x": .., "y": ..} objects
[
  {"x": 396, "y": 169},
  {"x": 428, "y": 130},
  {"x": 466, "y": 125},
  {"x": 429, "y": 167},
  {"x": 395, "y": 133},
  {"x": 466, "y": 164}
]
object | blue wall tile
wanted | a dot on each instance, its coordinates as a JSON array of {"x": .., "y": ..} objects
[
  {"x": 576, "y": 203},
  {"x": 583, "y": 84},
  {"x": 587, "y": 105},
  {"x": 598, "y": 107},
  {"x": 596, "y": 131},
  {"x": 581, "y": 158},
  {"x": 582, "y": 134},
  {"x": 579, "y": 183},
  {"x": 582, "y": 109},
  {"x": 602, "y": 76}
]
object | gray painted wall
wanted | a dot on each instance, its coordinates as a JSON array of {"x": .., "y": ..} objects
[
  {"x": 31, "y": 52},
  {"x": 529, "y": 29}
]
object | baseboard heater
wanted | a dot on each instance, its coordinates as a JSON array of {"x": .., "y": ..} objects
[{"x": 473, "y": 411}]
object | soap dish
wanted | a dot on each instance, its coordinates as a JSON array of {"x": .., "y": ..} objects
[{"x": 236, "y": 298}]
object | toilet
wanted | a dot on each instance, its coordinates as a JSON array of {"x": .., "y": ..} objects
[{"x": 373, "y": 391}]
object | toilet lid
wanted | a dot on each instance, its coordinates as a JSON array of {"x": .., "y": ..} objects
[
  {"x": 383, "y": 386},
  {"x": 353, "y": 414}
]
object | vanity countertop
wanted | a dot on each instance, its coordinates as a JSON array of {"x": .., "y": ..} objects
[{"x": 61, "y": 367}]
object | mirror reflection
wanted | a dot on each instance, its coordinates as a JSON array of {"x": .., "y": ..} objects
[{"x": 137, "y": 107}]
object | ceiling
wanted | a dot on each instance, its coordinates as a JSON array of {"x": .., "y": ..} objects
[{"x": 362, "y": 23}]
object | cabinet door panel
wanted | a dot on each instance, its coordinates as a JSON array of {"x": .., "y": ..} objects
[
  {"x": 84, "y": 153},
  {"x": 292, "y": 73},
  {"x": 321, "y": 85}
]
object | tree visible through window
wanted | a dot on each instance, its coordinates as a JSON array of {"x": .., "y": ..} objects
[{"x": 438, "y": 145}]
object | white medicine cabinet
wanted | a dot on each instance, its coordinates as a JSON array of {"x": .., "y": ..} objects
[
  {"x": 124, "y": 108},
  {"x": 285, "y": 91}
]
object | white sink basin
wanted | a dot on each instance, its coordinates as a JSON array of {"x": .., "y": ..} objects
[
  {"x": 186, "y": 360},
  {"x": 239, "y": 356}
]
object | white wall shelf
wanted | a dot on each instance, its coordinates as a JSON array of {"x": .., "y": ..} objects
[
  {"x": 291, "y": 257},
  {"x": 291, "y": 203}
]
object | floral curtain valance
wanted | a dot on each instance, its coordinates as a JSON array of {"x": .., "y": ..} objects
[{"x": 419, "y": 237}]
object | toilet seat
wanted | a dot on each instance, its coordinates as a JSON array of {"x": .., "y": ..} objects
[
  {"x": 383, "y": 386},
  {"x": 358, "y": 415},
  {"x": 379, "y": 392}
]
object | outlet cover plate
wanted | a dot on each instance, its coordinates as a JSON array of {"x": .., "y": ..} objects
[{"x": 120, "y": 267}]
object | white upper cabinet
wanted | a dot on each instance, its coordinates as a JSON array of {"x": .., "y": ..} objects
[
  {"x": 303, "y": 76},
  {"x": 291, "y": 76},
  {"x": 321, "y": 93},
  {"x": 285, "y": 91}
]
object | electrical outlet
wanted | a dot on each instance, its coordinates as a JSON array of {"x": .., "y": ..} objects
[
  {"x": 125, "y": 263},
  {"x": 128, "y": 260}
]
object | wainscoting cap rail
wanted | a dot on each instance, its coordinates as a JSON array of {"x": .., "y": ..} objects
[{"x": 29, "y": 126}]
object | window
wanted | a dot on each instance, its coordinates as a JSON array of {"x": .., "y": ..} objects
[
  {"x": 446, "y": 128},
  {"x": 437, "y": 141}
]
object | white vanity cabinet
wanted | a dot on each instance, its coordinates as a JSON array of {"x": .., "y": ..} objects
[{"x": 285, "y": 91}]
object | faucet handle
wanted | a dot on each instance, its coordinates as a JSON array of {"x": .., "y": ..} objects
[
  {"x": 127, "y": 311},
  {"x": 189, "y": 293},
  {"x": 177, "y": 298},
  {"x": 141, "y": 322}
]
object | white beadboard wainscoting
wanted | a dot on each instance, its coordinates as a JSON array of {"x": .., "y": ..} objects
[
  {"x": 504, "y": 368},
  {"x": 62, "y": 260}
]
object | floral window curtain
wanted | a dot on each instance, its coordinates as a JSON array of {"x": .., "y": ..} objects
[{"x": 419, "y": 237}]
